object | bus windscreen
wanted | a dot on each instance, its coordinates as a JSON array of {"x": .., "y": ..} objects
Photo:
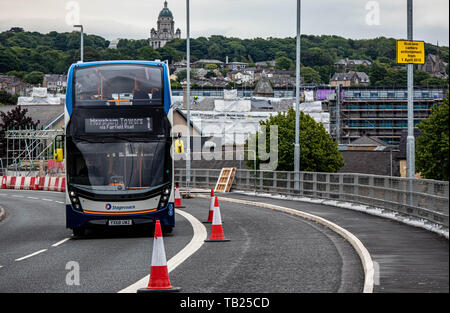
[{"x": 118, "y": 85}]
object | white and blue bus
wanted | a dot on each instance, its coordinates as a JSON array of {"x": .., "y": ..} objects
[{"x": 118, "y": 124}]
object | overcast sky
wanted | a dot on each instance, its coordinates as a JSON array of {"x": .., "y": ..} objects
[{"x": 355, "y": 19}]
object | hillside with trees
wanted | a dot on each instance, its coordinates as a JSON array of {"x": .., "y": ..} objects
[{"x": 23, "y": 53}]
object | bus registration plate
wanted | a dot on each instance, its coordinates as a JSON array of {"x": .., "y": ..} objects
[{"x": 119, "y": 222}]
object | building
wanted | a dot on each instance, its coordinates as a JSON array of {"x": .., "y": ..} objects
[
  {"x": 13, "y": 85},
  {"x": 263, "y": 88},
  {"x": 434, "y": 66},
  {"x": 55, "y": 83},
  {"x": 265, "y": 64},
  {"x": 113, "y": 43},
  {"x": 379, "y": 112},
  {"x": 350, "y": 79},
  {"x": 205, "y": 62},
  {"x": 345, "y": 64},
  {"x": 165, "y": 31},
  {"x": 236, "y": 65}
]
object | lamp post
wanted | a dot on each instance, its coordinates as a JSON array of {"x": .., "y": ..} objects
[
  {"x": 297, "y": 111},
  {"x": 81, "y": 42},
  {"x": 188, "y": 100},
  {"x": 410, "y": 150}
]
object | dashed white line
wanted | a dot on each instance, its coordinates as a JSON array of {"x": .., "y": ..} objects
[
  {"x": 31, "y": 255},
  {"x": 60, "y": 242},
  {"x": 34, "y": 198},
  {"x": 60, "y": 202},
  {"x": 16, "y": 196},
  {"x": 50, "y": 200}
]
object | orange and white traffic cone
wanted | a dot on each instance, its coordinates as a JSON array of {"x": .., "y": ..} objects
[
  {"x": 216, "y": 228},
  {"x": 177, "y": 201},
  {"x": 211, "y": 207},
  {"x": 159, "y": 274}
]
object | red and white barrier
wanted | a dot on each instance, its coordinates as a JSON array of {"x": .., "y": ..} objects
[
  {"x": 34, "y": 183},
  {"x": 54, "y": 183}
]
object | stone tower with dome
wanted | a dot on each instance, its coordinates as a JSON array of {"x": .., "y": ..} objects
[{"x": 165, "y": 31}]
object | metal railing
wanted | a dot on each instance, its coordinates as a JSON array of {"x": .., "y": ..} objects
[{"x": 420, "y": 198}]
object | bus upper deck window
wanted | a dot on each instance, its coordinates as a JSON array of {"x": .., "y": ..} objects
[{"x": 118, "y": 84}]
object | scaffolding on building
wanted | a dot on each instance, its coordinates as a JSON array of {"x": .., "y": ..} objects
[{"x": 30, "y": 152}]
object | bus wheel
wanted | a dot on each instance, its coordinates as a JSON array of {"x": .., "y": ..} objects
[
  {"x": 79, "y": 231},
  {"x": 167, "y": 229}
]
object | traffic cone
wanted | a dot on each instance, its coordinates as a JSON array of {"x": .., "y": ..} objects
[
  {"x": 216, "y": 228},
  {"x": 178, "y": 198},
  {"x": 159, "y": 274},
  {"x": 3, "y": 182},
  {"x": 211, "y": 207}
]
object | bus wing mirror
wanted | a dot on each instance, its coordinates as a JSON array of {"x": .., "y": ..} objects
[
  {"x": 179, "y": 146},
  {"x": 59, "y": 155}
]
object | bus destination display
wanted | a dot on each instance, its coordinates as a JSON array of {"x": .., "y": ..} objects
[{"x": 102, "y": 125}]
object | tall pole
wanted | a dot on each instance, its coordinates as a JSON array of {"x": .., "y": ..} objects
[
  {"x": 410, "y": 149},
  {"x": 188, "y": 99},
  {"x": 338, "y": 113},
  {"x": 297, "y": 110},
  {"x": 81, "y": 42}
]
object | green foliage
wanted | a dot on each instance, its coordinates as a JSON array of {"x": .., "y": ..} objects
[
  {"x": 284, "y": 63},
  {"x": 432, "y": 149},
  {"x": 14, "y": 119},
  {"x": 318, "y": 151},
  {"x": 34, "y": 77},
  {"x": 310, "y": 75},
  {"x": 148, "y": 53},
  {"x": 54, "y": 52},
  {"x": 6, "y": 98}
]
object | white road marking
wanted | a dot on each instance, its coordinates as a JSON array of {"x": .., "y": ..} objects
[
  {"x": 60, "y": 202},
  {"x": 16, "y": 196},
  {"x": 30, "y": 255},
  {"x": 47, "y": 200},
  {"x": 34, "y": 198},
  {"x": 198, "y": 239},
  {"x": 60, "y": 242}
]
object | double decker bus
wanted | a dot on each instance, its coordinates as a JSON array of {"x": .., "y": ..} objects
[{"x": 118, "y": 123}]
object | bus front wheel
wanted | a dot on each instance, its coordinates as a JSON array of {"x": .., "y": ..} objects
[
  {"x": 79, "y": 231},
  {"x": 167, "y": 229}
]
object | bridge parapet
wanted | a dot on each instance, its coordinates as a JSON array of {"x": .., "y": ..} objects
[{"x": 420, "y": 198}]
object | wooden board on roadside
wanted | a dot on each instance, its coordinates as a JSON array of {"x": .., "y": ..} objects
[{"x": 225, "y": 180}]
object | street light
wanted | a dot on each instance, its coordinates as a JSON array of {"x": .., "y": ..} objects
[
  {"x": 188, "y": 100},
  {"x": 81, "y": 42},
  {"x": 297, "y": 111}
]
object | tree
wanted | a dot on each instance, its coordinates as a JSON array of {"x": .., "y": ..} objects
[
  {"x": 6, "y": 98},
  {"x": 148, "y": 53},
  {"x": 432, "y": 148},
  {"x": 14, "y": 119},
  {"x": 283, "y": 63},
  {"x": 310, "y": 75},
  {"x": 34, "y": 78},
  {"x": 319, "y": 153}
]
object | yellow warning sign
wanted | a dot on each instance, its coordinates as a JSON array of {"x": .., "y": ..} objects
[{"x": 410, "y": 52}]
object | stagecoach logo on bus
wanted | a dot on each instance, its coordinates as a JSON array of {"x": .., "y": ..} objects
[{"x": 108, "y": 207}]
